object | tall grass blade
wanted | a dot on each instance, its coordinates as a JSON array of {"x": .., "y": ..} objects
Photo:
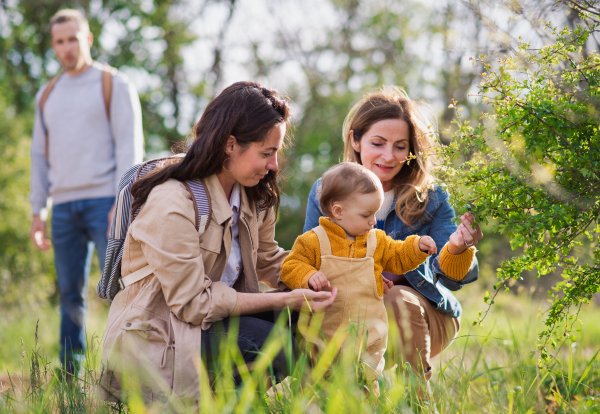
[
  {"x": 586, "y": 371},
  {"x": 570, "y": 373}
]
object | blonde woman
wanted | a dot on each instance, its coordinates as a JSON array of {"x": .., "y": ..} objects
[{"x": 393, "y": 137}]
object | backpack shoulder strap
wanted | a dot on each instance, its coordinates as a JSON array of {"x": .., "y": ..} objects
[
  {"x": 107, "y": 86},
  {"x": 145, "y": 168},
  {"x": 202, "y": 203},
  {"x": 108, "y": 286},
  {"x": 43, "y": 100},
  {"x": 47, "y": 91}
]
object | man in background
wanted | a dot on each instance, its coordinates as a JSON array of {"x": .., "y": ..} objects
[{"x": 87, "y": 132}]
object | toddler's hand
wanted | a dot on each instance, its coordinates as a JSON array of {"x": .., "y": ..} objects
[
  {"x": 387, "y": 285},
  {"x": 318, "y": 281},
  {"x": 427, "y": 245}
]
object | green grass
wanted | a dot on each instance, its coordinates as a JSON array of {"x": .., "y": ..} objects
[
  {"x": 21, "y": 323},
  {"x": 487, "y": 369}
]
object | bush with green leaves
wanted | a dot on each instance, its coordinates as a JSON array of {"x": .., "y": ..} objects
[{"x": 533, "y": 168}]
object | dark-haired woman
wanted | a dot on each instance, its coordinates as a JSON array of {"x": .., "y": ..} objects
[
  {"x": 157, "y": 326},
  {"x": 381, "y": 132}
]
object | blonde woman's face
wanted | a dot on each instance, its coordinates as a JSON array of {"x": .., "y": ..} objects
[{"x": 384, "y": 149}]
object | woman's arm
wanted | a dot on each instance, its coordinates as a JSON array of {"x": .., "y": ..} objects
[
  {"x": 313, "y": 209},
  {"x": 166, "y": 230},
  {"x": 298, "y": 300}
]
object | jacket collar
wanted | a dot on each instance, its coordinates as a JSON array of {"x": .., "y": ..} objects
[
  {"x": 247, "y": 208},
  {"x": 219, "y": 203},
  {"x": 221, "y": 211}
]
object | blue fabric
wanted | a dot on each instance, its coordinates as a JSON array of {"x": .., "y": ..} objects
[
  {"x": 253, "y": 331},
  {"x": 77, "y": 226},
  {"x": 436, "y": 222}
]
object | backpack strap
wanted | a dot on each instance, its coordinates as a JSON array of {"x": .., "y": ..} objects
[
  {"x": 107, "y": 87},
  {"x": 119, "y": 212},
  {"x": 201, "y": 201},
  {"x": 47, "y": 91},
  {"x": 43, "y": 100}
]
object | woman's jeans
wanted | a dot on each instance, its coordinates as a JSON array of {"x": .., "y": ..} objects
[
  {"x": 253, "y": 331},
  {"x": 76, "y": 227}
]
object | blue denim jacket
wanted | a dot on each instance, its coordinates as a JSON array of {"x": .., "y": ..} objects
[{"x": 437, "y": 223}]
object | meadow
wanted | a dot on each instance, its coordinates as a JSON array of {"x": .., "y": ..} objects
[{"x": 488, "y": 369}]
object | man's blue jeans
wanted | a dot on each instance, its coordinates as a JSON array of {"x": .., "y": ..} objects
[{"x": 76, "y": 227}]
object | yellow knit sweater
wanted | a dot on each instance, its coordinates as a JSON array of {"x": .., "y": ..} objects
[{"x": 390, "y": 255}]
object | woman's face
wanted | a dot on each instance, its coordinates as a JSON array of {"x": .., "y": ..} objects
[
  {"x": 384, "y": 148},
  {"x": 251, "y": 164}
]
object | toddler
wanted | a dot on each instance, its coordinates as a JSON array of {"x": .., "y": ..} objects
[{"x": 344, "y": 251}]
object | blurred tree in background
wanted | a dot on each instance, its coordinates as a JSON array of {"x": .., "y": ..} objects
[{"x": 324, "y": 54}]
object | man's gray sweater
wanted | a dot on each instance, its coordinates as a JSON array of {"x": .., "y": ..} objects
[{"x": 87, "y": 154}]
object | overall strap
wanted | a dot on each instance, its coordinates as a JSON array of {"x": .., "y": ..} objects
[
  {"x": 371, "y": 243},
  {"x": 324, "y": 243}
]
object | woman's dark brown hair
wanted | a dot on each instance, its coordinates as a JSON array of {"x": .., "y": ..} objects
[
  {"x": 245, "y": 110},
  {"x": 412, "y": 183}
]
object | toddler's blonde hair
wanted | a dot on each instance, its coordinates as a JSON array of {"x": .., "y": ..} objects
[{"x": 343, "y": 180}]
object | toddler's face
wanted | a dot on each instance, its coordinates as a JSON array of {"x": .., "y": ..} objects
[{"x": 357, "y": 213}]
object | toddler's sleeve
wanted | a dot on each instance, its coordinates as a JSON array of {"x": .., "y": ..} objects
[
  {"x": 400, "y": 256},
  {"x": 302, "y": 262}
]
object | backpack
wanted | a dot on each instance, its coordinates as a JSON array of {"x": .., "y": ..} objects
[
  {"x": 111, "y": 281},
  {"x": 107, "y": 85}
]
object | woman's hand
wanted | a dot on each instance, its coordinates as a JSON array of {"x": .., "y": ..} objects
[
  {"x": 465, "y": 235},
  {"x": 299, "y": 299},
  {"x": 308, "y": 300}
]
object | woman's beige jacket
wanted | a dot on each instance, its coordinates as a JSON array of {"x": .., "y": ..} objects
[{"x": 153, "y": 332}]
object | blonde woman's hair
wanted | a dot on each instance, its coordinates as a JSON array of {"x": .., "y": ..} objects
[
  {"x": 411, "y": 184},
  {"x": 343, "y": 180}
]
